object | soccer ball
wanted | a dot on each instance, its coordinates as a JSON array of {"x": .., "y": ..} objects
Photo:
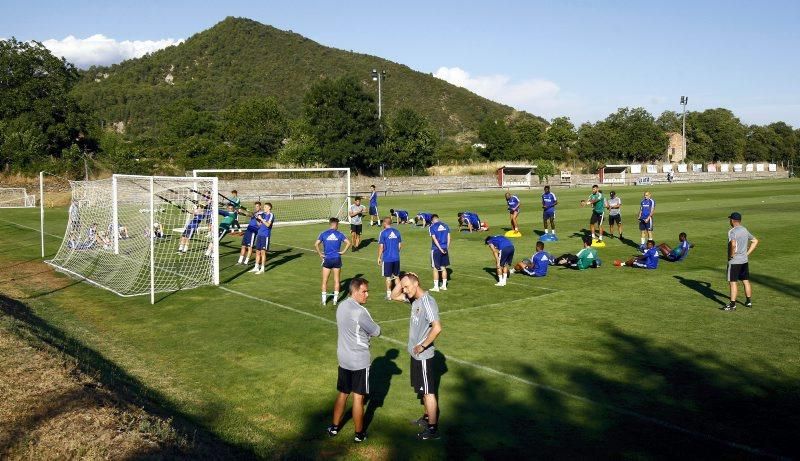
[
  {"x": 485, "y": 225},
  {"x": 617, "y": 262}
]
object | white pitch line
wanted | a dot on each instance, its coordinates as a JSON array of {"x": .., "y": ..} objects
[{"x": 510, "y": 377}]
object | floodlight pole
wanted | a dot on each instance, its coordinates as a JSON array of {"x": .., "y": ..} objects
[
  {"x": 378, "y": 76},
  {"x": 684, "y": 101}
]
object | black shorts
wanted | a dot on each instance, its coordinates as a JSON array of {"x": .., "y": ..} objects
[
  {"x": 614, "y": 219},
  {"x": 738, "y": 272},
  {"x": 356, "y": 228},
  {"x": 597, "y": 218},
  {"x": 332, "y": 263},
  {"x": 424, "y": 378},
  {"x": 353, "y": 381}
]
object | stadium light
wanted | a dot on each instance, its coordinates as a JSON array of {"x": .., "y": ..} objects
[
  {"x": 684, "y": 101},
  {"x": 378, "y": 77}
]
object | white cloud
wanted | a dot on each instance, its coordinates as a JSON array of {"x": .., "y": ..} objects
[
  {"x": 101, "y": 50},
  {"x": 537, "y": 96}
]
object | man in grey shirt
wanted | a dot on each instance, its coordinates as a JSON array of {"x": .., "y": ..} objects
[
  {"x": 738, "y": 252},
  {"x": 355, "y": 213},
  {"x": 614, "y": 206},
  {"x": 424, "y": 328},
  {"x": 355, "y": 329}
]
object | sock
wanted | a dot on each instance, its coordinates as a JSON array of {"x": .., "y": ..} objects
[
  {"x": 335, "y": 296},
  {"x": 601, "y": 237},
  {"x": 247, "y": 261},
  {"x": 241, "y": 258},
  {"x": 747, "y": 300},
  {"x": 324, "y": 297},
  {"x": 554, "y": 232},
  {"x": 444, "y": 283},
  {"x": 594, "y": 236},
  {"x": 643, "y": 240},
  {"x": 388, "y": 293},
  {"x": 435, "y": 283}
]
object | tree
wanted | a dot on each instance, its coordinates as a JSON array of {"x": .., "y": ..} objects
[
  {"x": 561, "y": 135},
  {"x": 256, "y": 125},
  {"x": 498, "y": 139},
  {"x": 724, "y": 133},
  {"x": 670, "y": 121},
  {"x": 342, "y": 121},
  {"x": 411, "y": 142}
]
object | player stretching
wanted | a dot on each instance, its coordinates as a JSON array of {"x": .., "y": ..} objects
[
  {"x": 249, "y": 237},
  {"x": 423, "y": 219},
  {"x": 373, "y": 207},
  {"x": 549, "y": 202},
  {"x": 676, "y": 254},
  {"x": 646, "y": 211},
  {"x": 265, "y": 221},
  {"x": 503, "y": 252},
  {"x": 648, "y": 260},
  {"x": 598, "y": 203},
  {"x": 356, "y": 212},
  {"x": 198, "y": 215},
  {"x": 401, "y": 215},
  {"x": 329, "y": 248},
  {"x": 513, "y": 210},
  {"x": 389, "y": 245},
  {"x": 440, "y": 244}
]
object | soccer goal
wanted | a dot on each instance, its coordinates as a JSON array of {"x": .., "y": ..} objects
[
  {"x": 298, "y": 195},
  {"x": 16, "y": 197},
  {"x": 138, "y": 235}
]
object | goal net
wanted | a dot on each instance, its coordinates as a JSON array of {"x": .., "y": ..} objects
[
  {"x": 16, "y": 197},
  {"x": 298, "y": 196},
  {"x": 137, "y": 235}
]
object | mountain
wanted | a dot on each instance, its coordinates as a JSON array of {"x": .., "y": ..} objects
[{"x": 240, "y": 58}]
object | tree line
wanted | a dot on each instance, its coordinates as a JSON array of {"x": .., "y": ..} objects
[{"x": 42, "y": 126}]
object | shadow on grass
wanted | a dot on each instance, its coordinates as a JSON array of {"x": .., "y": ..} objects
[
  {"x": 122, "y": 385},
  {"x": 783, "y": 286},
  {"x": 365, "y": 243},
  {"x": 704, "y": 288},
  {"x": 629, "y": 242},
  {"x": 381, "y": 372},
  {"x": 277, "y": 262}
]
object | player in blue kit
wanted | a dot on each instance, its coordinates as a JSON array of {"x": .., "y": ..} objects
[
  {"x": 470, "y": 221},
  {"x": 389, "y": 244},
  {"x": 200, "y": 214},
  {"x": 676, "y": 254},
  {"x": 423, "y": 219},
  {"x": 440, "y": 256},
  {"x": 249, "y": 237},
  {"x": 513, "y": 210},
  {"x": 401, "y": 215},
  {"x": 373, "y": 207},
  {"x": 648, "y": 260},
  {"x": 503, "y": 252},
  {"x": 265, "y": 220},
  {"x": 549, "y": 202},
  {"x": 646, "y": 210},
  {"x": 538, "y": 265},
  {"x": 329, "y": 248}
]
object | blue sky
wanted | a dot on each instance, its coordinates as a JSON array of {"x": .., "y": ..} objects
[{"x": 576, "y": 58}]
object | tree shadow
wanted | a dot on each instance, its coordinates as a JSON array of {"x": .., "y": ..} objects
[
  {"x": 381, "y": 372},
  {"x": 783, "y": 286},
  {"x": 704, "y": 288}
]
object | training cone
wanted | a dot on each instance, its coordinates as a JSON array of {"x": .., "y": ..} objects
[
  {"x": 598, "y": 243},
  {"x": 513, "y": 234},
  {"x": 617, "y": 262},
  {"x": 548, "y": 238}
]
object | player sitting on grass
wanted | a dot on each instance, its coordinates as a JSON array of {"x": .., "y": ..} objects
[
  {"x": 676, "y": 254},
  {"x": 470, "y": 221},
  {"x": 123, "y": 231},
  {"x": 538, "y": 264},
  {"x": 585, "y": 259},
  {"x": 400, "y": 215},
  {"x": 649, "y": 260},
  {"x": 503, "y": 251},
  {"x": 423, "y": 219}
]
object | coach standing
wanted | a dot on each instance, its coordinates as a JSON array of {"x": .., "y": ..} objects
[
  {"x": 738, "y": 267},
  {"x": 355, "y": 329}
]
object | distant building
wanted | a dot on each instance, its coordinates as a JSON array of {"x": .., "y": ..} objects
[{"x": 675, "y": 152}]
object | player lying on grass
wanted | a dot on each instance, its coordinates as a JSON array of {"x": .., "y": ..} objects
[
  {"x": 538, "y": 264},
  {"x": 648, "y": 260},
  {"x": 400, "y": 215},
  {"x": 423, "y": 219},
  {"x": 503, "y": 252},
  {"x": 470, "y": 221},
  {"x": 585, "y": 259},
  {"x": 676, "y": 254}
]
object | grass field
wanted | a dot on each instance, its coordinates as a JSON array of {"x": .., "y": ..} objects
[{"x": 605, "y": 363}]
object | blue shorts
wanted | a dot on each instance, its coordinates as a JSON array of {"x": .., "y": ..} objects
[
  {"x": 249, "y": 238},
  {"x": 332, "y": 263},
  {"x": 514, "y": 211},
  {"x": 262, "y": 242},
  {"x": 189, "y": 232},
  {"x": 506, "y": 256},
  {"x": 646, "y": 225},
  {"x": 547, "y": 214},
  {"x": 373, "y": 210},
  {"x": 391, "y": 268},
  {"x": 439, "y": 259}
]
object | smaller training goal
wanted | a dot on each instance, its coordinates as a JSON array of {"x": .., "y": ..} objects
[{"x": 16, "y": 197}]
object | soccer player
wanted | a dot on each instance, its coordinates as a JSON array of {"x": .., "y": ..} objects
[
  {"x": 401, "y": 215},
  {"x": 738, "y": 262},
  {"x": 503, "y": 251},
  {"x": 265, "y": 221},
  {"x": 470, "y": 220},
  {"x": 648, "y": 260},
  {"x": 423, "y": 330},
  {"x": 356, "y": 327},
  {"x": 549, "y": 202},
  {"x": 647, "y": 209},
  {"x": 423, "y": 219},
  {"x": 356, "y": 212},
  {"x": 249, "y": 237},
  {"x": 614, "y": 206},
  {"x": 513, "y": 210},
  {"x": 228, "y": 217},
  {"x": 389, "y": 245},
  {"x": 598, "y": 203},
  {"x": 538, "y": 264},
  {"x": 440, "y": 244},
  {"x": 585, "y": 259},
  {"x": 373, "y": 207},
  {"x": 237, "y": 203},
  {"x": 676, "y": 254},
  {"x": 329, "y": 248},
  {"x": 200, "y": 213}
]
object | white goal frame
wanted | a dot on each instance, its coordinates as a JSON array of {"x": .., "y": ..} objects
[
  {"x": 25, "y": 200},
  {"x": 212, "y": 172}
]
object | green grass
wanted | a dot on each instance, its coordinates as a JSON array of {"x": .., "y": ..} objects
[{"x": 609, "y": 363}]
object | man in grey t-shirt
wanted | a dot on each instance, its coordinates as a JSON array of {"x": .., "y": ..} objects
[
  {"x": 424, "y": 328},
  {"x": 355, "y": 329},
  {"x": 740, "y": 244},
  {"x": 355, "y": 213},
  {"x": 614, "y": 206}
]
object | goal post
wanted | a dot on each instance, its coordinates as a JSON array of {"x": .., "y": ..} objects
[
  {"x": 136, "y": 235},
  {"x": 298, "y": 195},
  {"x": 16, "y": 197}
]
